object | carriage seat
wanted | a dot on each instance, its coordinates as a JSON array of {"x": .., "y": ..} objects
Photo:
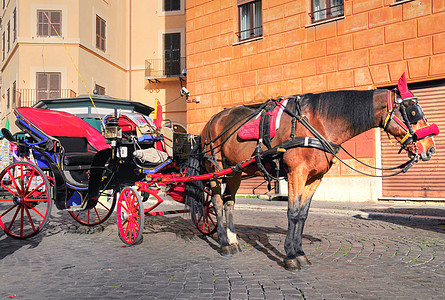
[
  {"x": 78, "y": 158},
  {"x": 76, "y": 151}
]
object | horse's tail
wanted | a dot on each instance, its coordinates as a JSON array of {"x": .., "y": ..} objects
[{"x": 194, "y": 190}]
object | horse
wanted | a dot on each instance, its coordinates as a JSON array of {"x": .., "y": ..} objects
[{"x": 332, "y": 117}]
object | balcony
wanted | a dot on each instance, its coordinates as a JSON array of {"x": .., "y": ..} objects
[
  {"x": 164, "y": 68},
  {"x": 29, "y": 97}
]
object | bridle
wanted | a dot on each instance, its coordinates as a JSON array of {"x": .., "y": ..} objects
[{"x": 411, "y": 112}]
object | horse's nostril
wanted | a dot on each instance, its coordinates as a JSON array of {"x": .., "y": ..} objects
[
  {"x": 431, "y": 151},
  {"x": 428, "y": 154}
]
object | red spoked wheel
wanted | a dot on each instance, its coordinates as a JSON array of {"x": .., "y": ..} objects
[
  {"x": 204, "y": 216},
  {"x": 98, "y": 214},
  {"x": 130, "y": 216},
  {"x": 25, "y": 200}
]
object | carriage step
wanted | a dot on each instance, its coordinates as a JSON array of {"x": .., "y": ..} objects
[{"x": 75, "y": 208}]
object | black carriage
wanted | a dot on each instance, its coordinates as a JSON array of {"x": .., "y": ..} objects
[{"x": 62, "y": 159}]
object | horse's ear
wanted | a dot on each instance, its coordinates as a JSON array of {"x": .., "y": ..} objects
[{"x": 403, "y": 87}]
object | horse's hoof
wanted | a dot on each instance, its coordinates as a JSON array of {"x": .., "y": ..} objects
[
  {"x": 225, "y": 250},
  {"x": 235, "y": 248},
  {"x": 303, "y": 261},
  {"x": 292, "y": 264}
]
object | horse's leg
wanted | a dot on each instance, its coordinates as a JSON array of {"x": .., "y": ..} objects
[
  {"x": 298, "y": 207},
  {"x": 306, "y": 198},
  {"x": 218, "y": 205},
  {"x": 232, "y": 186}
]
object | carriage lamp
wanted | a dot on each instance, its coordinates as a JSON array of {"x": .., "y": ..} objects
[
  {"x": 113, "y": 132},
  {"x": 112, "y": 129}
]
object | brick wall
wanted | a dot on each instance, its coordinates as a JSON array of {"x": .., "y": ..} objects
[{"x": 370, "y": 47}]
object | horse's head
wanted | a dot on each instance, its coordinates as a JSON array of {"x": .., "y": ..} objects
[{"x": 406, "y": 121}]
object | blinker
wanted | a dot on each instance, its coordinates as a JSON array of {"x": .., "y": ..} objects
[{"x": 414, "y": 113}]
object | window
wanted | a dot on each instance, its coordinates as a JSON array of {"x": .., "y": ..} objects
[
  {"x": 250, "y": 21},
  {"x": 100, "y": 33},
  {"x": 99, "y": 90},
  {"x": 48, "y": 85},
  {"x": 171, "y": 5},
  {"x": 8, "y": 99},
  {"x": 8, "y": 35},
  {"x": 172, "y": 54},
  {"x": 3, "y": 46},
  {"x": 49, "y": 27},
  {"x": 14, "y": 95},
  {"x": 14, "y": 25},
  {"x": 326, "y": 9}
]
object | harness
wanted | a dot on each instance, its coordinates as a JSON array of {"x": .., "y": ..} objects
[
  {"x": 411, "y": 113},
  {"x": 409, "y": 108}
]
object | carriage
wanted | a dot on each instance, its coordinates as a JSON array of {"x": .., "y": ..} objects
[{"x": 61, "y": 159}]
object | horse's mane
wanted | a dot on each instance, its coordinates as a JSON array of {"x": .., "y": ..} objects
[{"x": 355, "y": 107}]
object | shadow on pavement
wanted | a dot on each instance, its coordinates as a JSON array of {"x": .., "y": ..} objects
[
  {"x": 9, "y": 245},
  {"x": 249, "y": 236},
  {"x": 432, "y": 219}
]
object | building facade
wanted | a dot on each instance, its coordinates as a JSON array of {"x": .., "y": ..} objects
[
  {"x": 133, "y": 50},
  {"x": 245, "y": 51}
]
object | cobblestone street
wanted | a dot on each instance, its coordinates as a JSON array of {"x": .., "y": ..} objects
[{"x": 353, "y": 258}]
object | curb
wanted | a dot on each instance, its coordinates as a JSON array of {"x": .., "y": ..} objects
[{"x": 430, "y": 220}]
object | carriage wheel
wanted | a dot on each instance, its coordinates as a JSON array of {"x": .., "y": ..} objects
[
  {"x": 204, "y": 216},
  {"x": 98, "y": 214},
  {"x": 25, "y": 200},
  {"x": 130, "y": 216}
]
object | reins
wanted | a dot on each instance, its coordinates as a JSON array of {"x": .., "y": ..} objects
[
  {"x": 330, "y": 149},
  {"x": 317, "y": 142}
]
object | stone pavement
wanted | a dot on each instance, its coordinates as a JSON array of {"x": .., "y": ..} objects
[{"x": 358, "y": 251}]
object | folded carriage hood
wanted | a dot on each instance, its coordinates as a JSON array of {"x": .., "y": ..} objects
[{"x": 57, "y": 123}]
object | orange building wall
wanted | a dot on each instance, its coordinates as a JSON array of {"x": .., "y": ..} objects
[{"x": 370, "y": 47}]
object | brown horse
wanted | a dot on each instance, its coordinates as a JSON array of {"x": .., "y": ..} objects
[{"x": 337, "y": 117}]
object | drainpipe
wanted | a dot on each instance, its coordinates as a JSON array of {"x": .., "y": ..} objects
[{"x": 129, "y": 71}]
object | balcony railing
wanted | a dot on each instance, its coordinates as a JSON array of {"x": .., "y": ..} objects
[
  {"x": 163, "y": 68},
  {"x": 28, "y": 97}
]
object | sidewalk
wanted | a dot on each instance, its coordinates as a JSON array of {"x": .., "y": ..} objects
[{"x": 384, "y": 210}]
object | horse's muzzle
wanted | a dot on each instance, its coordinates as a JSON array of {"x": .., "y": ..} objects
[{"x": 426, "y": 155}]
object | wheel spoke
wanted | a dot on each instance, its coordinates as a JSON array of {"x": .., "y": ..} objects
[
  {"x": 13, "y": 219},
  {"x": 29, "y": 218},
  {"x": 13, "y": 180},
  {"x": 9, "y": 190},
  {"x": 32, "y": 192},
  {"x": 22, "y": 219},
  {"x": 103, "y": 205},
  {"x": 29, "y": 182},
  {"x": 6, "y": 200},
  {"x": 8, "y": 210},
  {"x": 35, "y": 210}
]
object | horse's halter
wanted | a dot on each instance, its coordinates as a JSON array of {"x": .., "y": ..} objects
[{"x": 411, "y": 112}]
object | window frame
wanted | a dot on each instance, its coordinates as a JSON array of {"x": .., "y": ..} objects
[
  {"x": 48, "y": 24},
  {"x": 3, "y": 46},
  {"x": 252, "y": 31},
  {"x": 327, "y": 11},
  {"x": 8, "y": 98},
  {"x": 14, "y": 25},
  {"x": 172, "y": 56},
  {"x": 14, "y": 94},
  {"x": 101, "y": 40},
  {"x": 100, "y": 90},
  {"x": 8, "y": 37}
]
